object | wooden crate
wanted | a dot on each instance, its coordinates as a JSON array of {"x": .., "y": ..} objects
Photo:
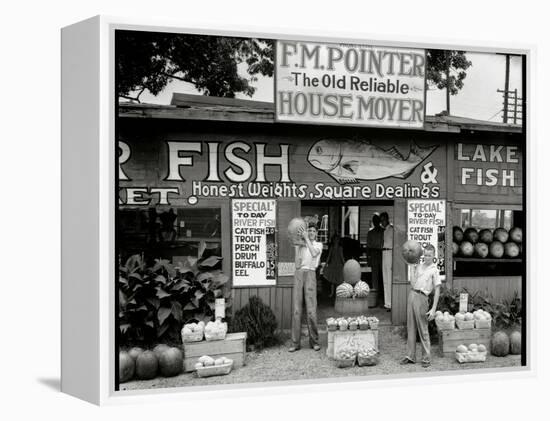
[
  {"x": 233, "y": 347},
  {"x": 367, "y": 337},
  {"x": 351, "y": 306},
  {"x": 450, "y": 339}
]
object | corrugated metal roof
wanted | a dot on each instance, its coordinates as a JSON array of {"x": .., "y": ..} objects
[{"x": 200, "y": 107}]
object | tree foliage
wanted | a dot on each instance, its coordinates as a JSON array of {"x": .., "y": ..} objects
[
  {"x": 151, "y": 60},
  {"x": 440, "y": 63}
]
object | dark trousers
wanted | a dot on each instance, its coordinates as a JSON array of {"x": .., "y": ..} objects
[{"x": 305, "y": 289}]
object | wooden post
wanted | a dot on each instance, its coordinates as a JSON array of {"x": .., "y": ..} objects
[
  {"x": 447, "y": 65},
  {"x": 506, "y": 87}
]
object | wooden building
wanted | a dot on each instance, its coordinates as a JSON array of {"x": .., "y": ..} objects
[{"x": 196, "y": 156}]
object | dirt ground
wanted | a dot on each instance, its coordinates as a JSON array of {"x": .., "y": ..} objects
[{"x": 277, "y": 364}]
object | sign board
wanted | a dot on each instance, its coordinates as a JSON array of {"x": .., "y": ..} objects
[
  {"x": 426, "y": 224},
  {"x": 489, "y": 169},
  {"x": 286, "y": 268},
  {"x": 463, "y": 303},
  {"x": 254, "y": 245},
  {"x": 350, "y": 84},
  {"x": 295, "y": 166}
]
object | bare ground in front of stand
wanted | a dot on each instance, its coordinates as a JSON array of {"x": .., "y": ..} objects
[{"x": 277, "y": 364}]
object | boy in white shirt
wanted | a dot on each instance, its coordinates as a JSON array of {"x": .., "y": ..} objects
[
  {"x": 307, "y": 259},
  {"x": 424, "y": 280}
]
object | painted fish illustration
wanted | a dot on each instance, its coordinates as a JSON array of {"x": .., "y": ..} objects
[{"x": 348, "y": 161}]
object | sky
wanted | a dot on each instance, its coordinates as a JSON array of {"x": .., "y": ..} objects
[{"x": 478, "y": 98}]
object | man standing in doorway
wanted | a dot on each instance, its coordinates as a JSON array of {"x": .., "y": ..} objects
[
  {"x": 387, "y": 250},
  {"x": 307, "y": 259},
  {"x": 375, "y": 241}
]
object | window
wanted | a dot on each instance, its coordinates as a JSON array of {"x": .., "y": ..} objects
[
  {"x": 481, "y": 254},
  {"x": 486, "y": 218},
  {"x": 172, "y": 234}
]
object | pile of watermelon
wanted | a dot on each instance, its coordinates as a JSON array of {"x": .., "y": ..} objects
[
  {"x": 497, "y": 244},
  {"x": 145, "y": 365},
  {"x": 503, "y": 344}
]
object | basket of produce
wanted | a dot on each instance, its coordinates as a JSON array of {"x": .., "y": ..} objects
[
  {"x": 472, "y": 354},
  {"x": 352, "y": 323},
  {"x": 373, "y": 322},
  {"x": 464, "y": 320},
  {"x": 331, "y": 324},
  {"x": 363, "y": 323},
  {"x": 482, "y": 319},
  {"x": 192, "y": 332},
  {"x": 444, "y": 321},
  {"x": 215, "y": 331},
  {"x": 345, "y": 357},
  {"x": 208, "y": 366},
  {"x": 342, "y": 324},
  {"x": 367, "y": 357}
]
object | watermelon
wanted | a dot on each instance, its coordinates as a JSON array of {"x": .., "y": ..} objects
[
  {"x": 516, "y": 235},
  {"x": 159, "y": 349},
  {"x": 481, "y": 250},
  {"x": 515, "y": 343},
  {"x": 412, "y": 250},
  {"x": 466, "y": 249},
  {"x": 471, "y": 235},
  {"x": 146, "y": 365},
  {"x": 294, "y": 227},
  {"x": 135, "y": 352},
  {"x": 500, "y": 234},
  {"x": 344, "y": 290},
  {"x": 352, "y": 271},
  {"x": 486, "y": 236},
  {"x": 496, "y": 249},
  {"x": 455, "y": 248},
  {"x": 361, "y": 289},
  {"x": 126, "y": 367},
  {"x": 458, "y": 235},
  {"x": 171, "y": 362},
  {"x": 500, "y": 344},
  {"x": 511, "y": 249}
]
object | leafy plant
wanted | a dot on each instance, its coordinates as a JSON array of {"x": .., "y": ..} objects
[
  {"x": 507, "y": 314},
  {"x": 258, "y": 321},
  {"x": 155, "y": 301}
]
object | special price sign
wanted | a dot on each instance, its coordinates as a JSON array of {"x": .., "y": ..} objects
[
  {"x": 254, "y": 245},
  {"x": 426, "y": 224},
  {"x": 350, "y": 84}
]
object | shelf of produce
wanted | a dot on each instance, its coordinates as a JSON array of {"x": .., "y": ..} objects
[{"x": 487, "y": 260}]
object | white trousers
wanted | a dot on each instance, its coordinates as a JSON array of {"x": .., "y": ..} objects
[{"x": 386, "y": 276}]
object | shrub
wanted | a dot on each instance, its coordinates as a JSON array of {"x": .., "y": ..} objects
[
  {"x": 258, "y": 321},
  {"x": 155, "y": 301}
]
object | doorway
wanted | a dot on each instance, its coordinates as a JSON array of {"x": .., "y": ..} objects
[{"x": 347, "y": 223}]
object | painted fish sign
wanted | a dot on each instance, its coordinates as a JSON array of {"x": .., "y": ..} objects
[{"x": 349, "y": 161}]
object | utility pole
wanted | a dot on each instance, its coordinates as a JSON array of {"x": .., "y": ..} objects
[
  {"x": 506, "y": 87},
  {"x": 447, "y": 65}
]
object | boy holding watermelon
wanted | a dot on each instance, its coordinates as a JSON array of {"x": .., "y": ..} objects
[
  {"x": 307, "y": 259},
  {"x": 424, "y": 281}
]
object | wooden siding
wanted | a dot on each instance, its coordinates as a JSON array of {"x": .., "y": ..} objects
[
  {"x": 278, "y": 298},
  {"x": 497, "y": 287}
]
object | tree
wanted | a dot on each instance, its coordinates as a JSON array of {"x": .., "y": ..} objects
[
  {"x": 150, "y": 61},
  {"x": 445, "y": 69}
]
